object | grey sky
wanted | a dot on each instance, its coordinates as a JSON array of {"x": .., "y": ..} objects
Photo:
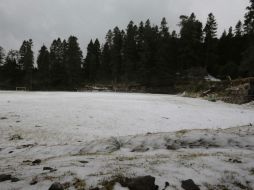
[{"x": 45, "y": 20}]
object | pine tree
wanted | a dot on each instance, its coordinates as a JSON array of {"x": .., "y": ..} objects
[
  {"x": 109, "y": 38},
  {"x": 239, "y": 46},
  {"x": 97, "y": 53},
  {"x": 247, "y": 66},
  {"x": 145, "y": 51},
  {"x": 73, "y": 61},
  {"x": 191, "y": 42},
  {"x": 228, "y": 55},
  {"x": 12, "y": 71},
  {"x": 2, "y": 56},
  {"x": 130, "y": 55},
  {"x": 239, "y": 29},
  {"x": 148, "y": 53},
  {"x": 58, "y": 73},
  {"x": 230, "y": 33},
  {"x": 191, "y": 28},
  {"x": 92, "y": 61},
  {"x": 210, "y": 45},
  {"x": 89, "y": 63},
  {"x": 249, "y": 19},
  {"x": 26, "y": 61},
  {"x": 164, "y": 58},
  {"x": 44, "y": 65},
  {"x": 164, "y": 31},
  {"x": 140, "y": 52},
  {"x": 105, "y": 69},
  {"x": 116, "y": 55},
  {"x": 26, "y": 56},
  {"x": 210, "y": 29}
]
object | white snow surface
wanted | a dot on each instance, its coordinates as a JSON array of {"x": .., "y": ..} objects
[
  {"x": 96, "y": 136},
  {"x": 68, "y": 117}
]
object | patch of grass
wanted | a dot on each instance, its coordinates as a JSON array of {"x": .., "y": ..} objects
[
  {"x": 232, "y": 179},
  {"x": 100, "y": 174},
  {"x": 217, "y": 187},
  {"x": 122, "y": 158},
  {"x": 115, "y": 144},
  {"x": 180, "y": 133},
  {"x": 79, "y": 184},
  {"x": 190, "y": 94},
  {"x": 50, "y": 178},
  {"x": 240, "y": 185},
  {"x": 195, "y": 155},
  {"x": 212, "y": 98},
  {"x": 109, "y": 184},
  {"x": 15, "y": 137},
  {"x": 252, "y": 171}
]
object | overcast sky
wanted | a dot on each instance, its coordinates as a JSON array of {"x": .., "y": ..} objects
[{"x": 45, "y": 20}]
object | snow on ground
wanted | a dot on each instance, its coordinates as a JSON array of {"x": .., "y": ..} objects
[
  {"x": 212, "y": 78},
  {"x": 61, "y": 117},
  {"x": 94, "y": 136}
]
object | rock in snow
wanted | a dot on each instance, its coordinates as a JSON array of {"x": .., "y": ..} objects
[
  {"x": 56, "y": 186},
  {"x": 5, "y": 177},
  {"x": 189, "y": 185},
  {"x": 140, "y": 183}
]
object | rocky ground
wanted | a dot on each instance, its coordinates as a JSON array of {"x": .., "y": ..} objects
[{"x": 202, "y": 159}]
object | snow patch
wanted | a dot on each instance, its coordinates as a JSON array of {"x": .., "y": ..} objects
[{"x": 211, "y": 78}]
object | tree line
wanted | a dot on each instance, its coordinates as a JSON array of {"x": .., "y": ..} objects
[{"x": 144, "y": 54}]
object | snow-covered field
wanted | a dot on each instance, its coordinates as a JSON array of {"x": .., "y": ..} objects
[{"x": 94, "y": 136}]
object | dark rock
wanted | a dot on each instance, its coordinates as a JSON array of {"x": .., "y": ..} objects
[
  {"x": 251, "y": 90},
  {"x": 33, "y": 182},
  {"x": 25, "y": 146},
  {"x": 5, "y": 177},
  {"x": 237, "y": 161},
  {"x": 36, "y": 162},
  {"x": 166, "y": 185},
  {"x": 189, "y": 185},
  {"x": 140, "y": 148},
  {"x": 14, "y": 179},
  {"x": 171, "y": 147},
  {"x": 10, "y": 152},
  {"x": 140, "y": 183},
  {"x": 83, "y": 161},
  {"x": 27, "y": 161},
  {"x": 56, "y": 186},
  {"x": 15, "y": 137},
  {"x": 47, "y": 168},
  {"x": 66, "y": 185},
  {"x": 3, "y": 118}
]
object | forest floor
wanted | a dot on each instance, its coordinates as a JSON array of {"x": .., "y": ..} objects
[{"x": 83, "y": 139}]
